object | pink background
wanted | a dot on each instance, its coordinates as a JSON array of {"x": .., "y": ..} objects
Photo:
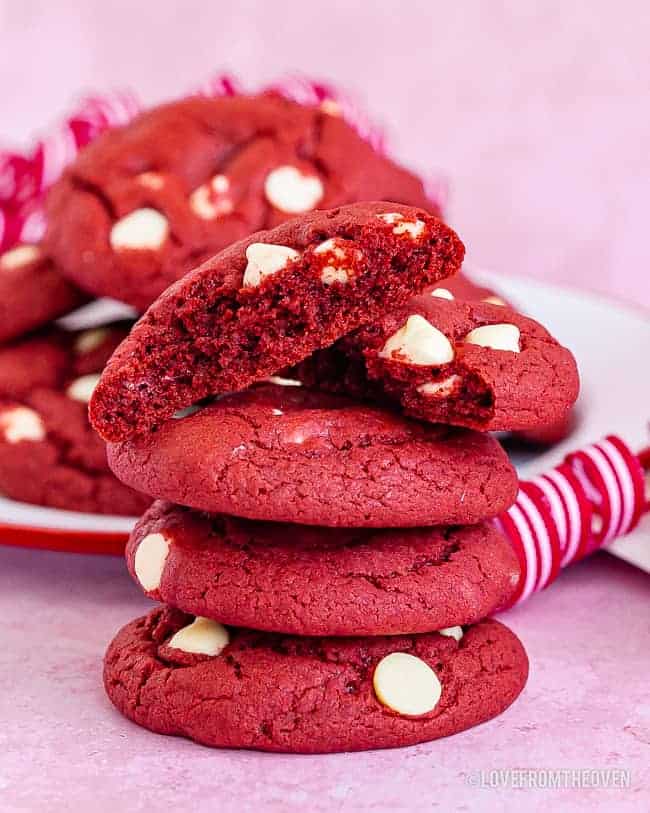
[{"x": 537, "y": 112}]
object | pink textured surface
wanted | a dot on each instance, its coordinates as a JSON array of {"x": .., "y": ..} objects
[
  {"x": 64, "y": 747},
  {"x": 537, "y": 112}
]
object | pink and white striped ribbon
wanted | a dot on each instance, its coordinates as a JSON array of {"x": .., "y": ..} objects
[
  {"x": 25, "y": 178},
  {"x": 596, "y": 495}
]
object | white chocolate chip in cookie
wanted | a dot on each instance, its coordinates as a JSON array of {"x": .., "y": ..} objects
[
  {"x": 141, "y": 230},
  {"x": 284, "y": 382},
  {"x": 495, "y": 300},
  {"x": 406, "y": 684},
  {"x": 202, "y": 637},
  {"x": 19, "y": 257},
  {"x": 418, "y": 342},
  {"x": 331, "y": 246},
  {"x": 496, "y": 337},
  {"x": 149, "y": 562},
  {"x": 82, "y": 388},
  {"x": 291, "y": 191},
  {"x": 414, "y": 228},
  {"x": 331, "y": 274},
  {"x": 335, "y": 270},
  {"x": 439, "y": 389},
  {"x": 331, "y": 107},
  {"x": 150, "y": 180},
  {"x": 212, "y": 199},
  {"x": 90, "y": 339},
  {"x": 265, "y": 259},
  {"x": 21, "y": 423},
  {"x": 442, "y": 293},
  {"x": 452, "y": 632}
]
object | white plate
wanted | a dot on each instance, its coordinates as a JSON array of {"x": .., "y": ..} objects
[{"x": 611, "y": 342}]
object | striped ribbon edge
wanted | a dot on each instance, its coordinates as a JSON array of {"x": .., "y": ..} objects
[{"x": 596, "y": 495}]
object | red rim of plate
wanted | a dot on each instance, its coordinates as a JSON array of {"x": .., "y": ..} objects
[{"x": 63, "y": 540}]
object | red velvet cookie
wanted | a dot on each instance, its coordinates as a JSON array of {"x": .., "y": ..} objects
[
  {"x": 305, "y": 580},
  {"x": 32, "y": 292},
  {"x": 290, "y": 455},
  {"x": 49, "y": 454},
  {"x": 235, "y": 688},
  {"x": 267, "y": 302},
  {"x": 478, "y": 365},
  {"x": 145, "y": 203}
]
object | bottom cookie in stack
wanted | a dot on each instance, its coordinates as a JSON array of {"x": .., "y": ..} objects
[
  {"x": 229, "y": 687},
  {"x": 365, "y": 637}
]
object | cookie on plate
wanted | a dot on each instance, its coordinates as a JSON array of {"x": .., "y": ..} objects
[
  {"x": 32, "y": 292},
  {"x": 268, "y": 302},
  {"x": 49, "y": 453},
  {"x": 147, "y": 202},
  {"x": 473, "y": 364},
  {"x": 305, "y": 580},
  {"x": 288, "y": 454}
]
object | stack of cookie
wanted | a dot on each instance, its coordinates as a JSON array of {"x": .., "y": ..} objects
[{"x": 323, "y": 552}]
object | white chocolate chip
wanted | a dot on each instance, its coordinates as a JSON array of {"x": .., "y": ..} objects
[
  {"x": 202, "y": 637},
  {"x": 82, "y": 388},
  {"x": 333, "y": 271},
  {"x": 290, "y": 191},
  {"x": 19, "y": 257},
  {"x": 406, "y": 684},
  {"x": 284, "y": 382},
  {"x": 439, "y": 389},
  {"x": 496, "y": 337},
  {"x": 452, "y": 632},
  {"x": 419, "y": 342},
  {"x": 265, "y": 259},
  {"x": 330, "y": 274},
  {"x": 414, "y": 228},
  {"x": 442, "y": 293},
  {"x": 330, "y": 107},
  {"x": 149, "y": 562},
  {"x": 391, "y": 217},
  {"x": 90, "y": 339},
  {"x": 211, "y": 200},
  {"x": 150, "y": 180},
  {"x": 21, "y": 423},
  {"x": 143, "y": 229},
  {"x": 330, "y": 247},
  {"x": 495, "y": 300}
]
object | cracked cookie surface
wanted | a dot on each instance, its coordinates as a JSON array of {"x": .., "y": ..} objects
[
  {"x": 268, "y": 302},
  {"x": 305, "y": 695},
  {"x": 49, "y": 453},
  {"x": 305, "y": 580},
  {"x": 205, "y": 173},
  {"x": 472, "y": 364},
  {"x": 288, "y": 454}
]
